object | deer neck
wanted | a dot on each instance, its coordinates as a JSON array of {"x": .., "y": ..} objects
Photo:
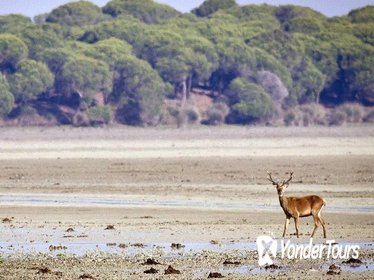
[{"x": 283, "y": 203}]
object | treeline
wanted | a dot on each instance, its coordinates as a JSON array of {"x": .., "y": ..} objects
[{"x": 144, "y": 63}]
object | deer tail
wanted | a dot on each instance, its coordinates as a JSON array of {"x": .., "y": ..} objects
[{"x": 324, "y": 202}]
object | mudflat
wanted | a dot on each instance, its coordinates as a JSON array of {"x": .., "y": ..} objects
[{"x": 97, "y": 203}]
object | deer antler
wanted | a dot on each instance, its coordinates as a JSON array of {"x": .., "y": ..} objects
[
  {"x": 289, "y": 180},
  {"x": 271, "y": 179}
]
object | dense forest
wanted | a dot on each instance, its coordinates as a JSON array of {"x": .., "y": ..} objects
[{"x": 143, "y": 63}]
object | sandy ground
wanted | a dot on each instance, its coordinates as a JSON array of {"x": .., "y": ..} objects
[{"x": 96, "y": 203}]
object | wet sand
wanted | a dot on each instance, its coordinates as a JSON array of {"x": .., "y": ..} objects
[{"x": 100, "y": 202}]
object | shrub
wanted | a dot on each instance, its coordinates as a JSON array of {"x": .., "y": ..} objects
[
  {"x": 353, "y": 111},
  {"x": 289, "y": 118},
  {"x": 336, "y": 117},
  {"x": 100, "y": 114},
  {"x": 249, "y": 102},
  {"x": 80, "y": 119},
  {"x": 216, "y": 114},
  {"x": 369, "y": 117},
  {"x": 192, "y": 115},
  {"x": 306, "y": 115},
  {"x": 313, "y": 114},
  {"x": 187, "y": 116}
]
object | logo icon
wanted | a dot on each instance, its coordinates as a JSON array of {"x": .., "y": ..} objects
[{"x": 266, "y": 248}]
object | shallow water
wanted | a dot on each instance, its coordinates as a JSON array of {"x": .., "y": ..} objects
[
  {"x": 80, "y": 248},
  {"x": 71, "y": 200},
  {"x": 164, "y": 251},
  {"x": 367, "y": 265}
]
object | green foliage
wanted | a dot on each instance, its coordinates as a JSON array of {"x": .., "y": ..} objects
[
  {"x": 138, "y": 91},
  {"x": 126, "y": 28},
  {"x": 31, "y": 79},
  {"x": 254, "y": 12},
  {"x": 138, "y": 57},
  {"x": 204, "y": 59},
  {"x": 281, "y": 45},
  {"x": 308, "y": 82},
  {"x": 145, "y": 10},
  {"x": 249, "y": 102},
  {"x": 87, "y": 76},
  {"x": 110, "y": 50},
  {"x": 76, "y": 13},
  {"x": 265, "y": 61},
  {"x": 13, "y": 24},
  {"x": 100, "y": 114},
  {"x": 287, "y": 13},
  {"x": 362, "y": 15},
  {"x": 216, "y": 114},
  {"x": 6, "y": 97},
  {"x": 12, "y": 51},
  {"x": 365, "y": 32},
  {"x": 211, "y": 6},
  {"x": 178, "y": 57},
  {"x": 38, "y": 39},
  {"x": 235, "y": 59},
  {"x": 56, "y": 58},
  {"x": 305, "y": 25}
]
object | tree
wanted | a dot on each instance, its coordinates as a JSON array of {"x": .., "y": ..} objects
[
  {"x": 38, "y": 39},
  {"x": 362, "y": 15},
  {"x": 12, "y": 51},
  {"x": 125, "y": 28},
  {"x": 138, "y": 91},
  {"x": 180, "y": 59},
  {"x": 109, "y": 50},
  {"x": 31, "y": 79},
  {"x": 305, "y": 25},
  {"x": 76, "y": 14},
  {"x": 211, "y": 6},
  {"x": 13, "y": 24},
  {"x": 289, "y": 16},
  {"x": 365, "y": 32},
  {"x": 352, "y": 80},
  {"x": 273, "y": 85},
  {"x": 357, "y": 70},
  {"x": 204, "y": 59},
  {"x": 6, "y": 97},
  {"x": 236, "y": 59},
  {"x": 249, "y": 102},
  {"x": 265, "y": 61},
  {"x": 308, "y": 82},
  {"x": 145, "y": 10},
  {"x": 86, "y": 76},
  {"x": 281, "y": 45},
  {"x": 56, "y": 59}
]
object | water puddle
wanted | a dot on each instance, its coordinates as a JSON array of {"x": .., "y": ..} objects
[
  {"x": 81, "y": 248},
  {"x": 164, "y": 251},
  {"x": 92, "y": 201},
  {"x": 366, "y": 265}
]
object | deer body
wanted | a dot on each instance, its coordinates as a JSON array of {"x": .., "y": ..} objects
[{"x": 298, "y": 207}]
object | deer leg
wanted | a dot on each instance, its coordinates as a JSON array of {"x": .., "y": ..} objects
[
  {"x": 286, "y": 226},
  {"x": 323, "y": 224},
  {"x": 297, "y": 225},
  {"x": 316, "y": 221}
]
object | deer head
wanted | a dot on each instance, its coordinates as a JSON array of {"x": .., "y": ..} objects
[{"x": 280, "y": 186}]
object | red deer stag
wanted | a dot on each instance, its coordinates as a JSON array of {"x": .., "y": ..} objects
[{"x": 298, "y": 207}]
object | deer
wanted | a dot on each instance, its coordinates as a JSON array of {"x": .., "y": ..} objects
[{"x": 299, "y": 207}]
